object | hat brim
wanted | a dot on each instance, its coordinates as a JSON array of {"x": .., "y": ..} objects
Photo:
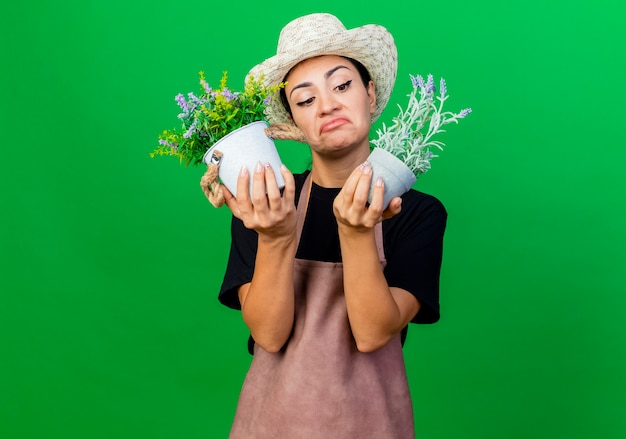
[{"x": 371, "y": 45}]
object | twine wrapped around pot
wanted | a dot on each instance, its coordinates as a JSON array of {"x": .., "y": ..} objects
[
  {"x": 210, "y": 184},
  {"x": 285, "y": 131},
  {"x": 210, "y": 180}
]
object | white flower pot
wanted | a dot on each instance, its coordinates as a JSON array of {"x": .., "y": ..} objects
[
  {"x": 397, "y": 176},
  {"x": 246, "y": 146}
]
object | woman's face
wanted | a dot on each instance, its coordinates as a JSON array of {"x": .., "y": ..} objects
[{"x": 330, "y": 104}]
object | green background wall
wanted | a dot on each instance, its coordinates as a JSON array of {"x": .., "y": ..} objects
[{"x": 111, "y": 261}]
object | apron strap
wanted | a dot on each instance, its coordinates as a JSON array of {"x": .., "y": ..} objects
[{"x": 303, "y": 204}]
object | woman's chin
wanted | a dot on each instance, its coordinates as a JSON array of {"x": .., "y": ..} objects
[{"x": 339, "y": 149}]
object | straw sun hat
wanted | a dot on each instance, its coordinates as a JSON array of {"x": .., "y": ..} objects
[{"x": 323, "y": 34}]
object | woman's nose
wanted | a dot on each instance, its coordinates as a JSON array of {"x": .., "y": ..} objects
[{"x": 328, "y": 103}]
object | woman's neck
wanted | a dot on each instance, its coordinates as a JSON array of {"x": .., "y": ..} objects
[{"x": 333, "y": 172}]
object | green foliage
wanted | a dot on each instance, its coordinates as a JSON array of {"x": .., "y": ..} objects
[{"x": 213, "y": 114}]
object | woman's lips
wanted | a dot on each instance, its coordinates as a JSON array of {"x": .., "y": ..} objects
[{"x": 333, "y": 123}]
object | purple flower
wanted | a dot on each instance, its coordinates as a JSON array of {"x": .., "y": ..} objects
[
  {"x": 191, "y": 130},
  {"x": 229, "y": 95},
  {"x": 207, "y": 87},
  {"x": 182, "y": 103},
  {"x": 430, "y": 84},
  {"x": 442, "y": 87},
  {"x": 195, "y": 99},
  {"x": 417, "y": 81},
  {"x": 267, "y": 100},
  {"x": 168, "y": 144},
  {"x": 464, "y": 112}
]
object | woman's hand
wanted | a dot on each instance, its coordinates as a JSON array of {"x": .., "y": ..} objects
[
  {"x": 351, "y": 208},
  {"x": 265, "y": 211}
]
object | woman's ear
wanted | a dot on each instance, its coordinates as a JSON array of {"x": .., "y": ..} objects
[{"x": 371, "y": 93}]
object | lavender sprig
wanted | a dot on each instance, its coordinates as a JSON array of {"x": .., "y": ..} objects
[
  {"x": 410, "y": 137},
  {"x": 182, "y": 103}
]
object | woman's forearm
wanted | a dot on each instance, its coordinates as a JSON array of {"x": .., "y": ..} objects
[
  {"x": 267, "y": 302},
  {"x": 376, "y": 312}
]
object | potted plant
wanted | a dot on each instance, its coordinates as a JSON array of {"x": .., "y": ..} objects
[
  {"x": 402, "y": 151},
  {"x": 223, "y": 129}
]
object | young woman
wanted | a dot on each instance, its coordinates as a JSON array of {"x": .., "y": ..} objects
[{"x": 327, "y": 282}]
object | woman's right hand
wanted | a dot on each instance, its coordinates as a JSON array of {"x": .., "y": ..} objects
[{"x": 266, "y": 211}]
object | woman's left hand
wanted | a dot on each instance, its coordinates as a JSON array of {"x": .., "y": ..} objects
[{"x": 351, "y": 207}]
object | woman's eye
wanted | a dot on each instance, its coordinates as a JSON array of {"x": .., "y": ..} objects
[
  {"x": 344, "y": 86},
  {"x": 306, "y": 102}
]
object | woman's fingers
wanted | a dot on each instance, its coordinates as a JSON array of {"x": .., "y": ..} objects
[
  {"x": 289, "y": 191},
  {"x": 378, "y": 197},
  {"x": 263, "y": 208},
  {"x": 362, "y": 190},
  {"x": 240, "y": 205},
  {"x": 230, "y": 201},
  {"x": 351, "y": 183},
  {"x": 353, "y": 207},
  {"x": 394, "y": 208},
  {"x": 259, "y": 197},
  {"x": 273, "y": 192},
  {"x": 243, "y": 184}
]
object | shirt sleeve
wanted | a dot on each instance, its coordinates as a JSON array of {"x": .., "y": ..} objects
[
  {"x": 414, "y": 251},
  {"x": 240, "y": 267}
]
